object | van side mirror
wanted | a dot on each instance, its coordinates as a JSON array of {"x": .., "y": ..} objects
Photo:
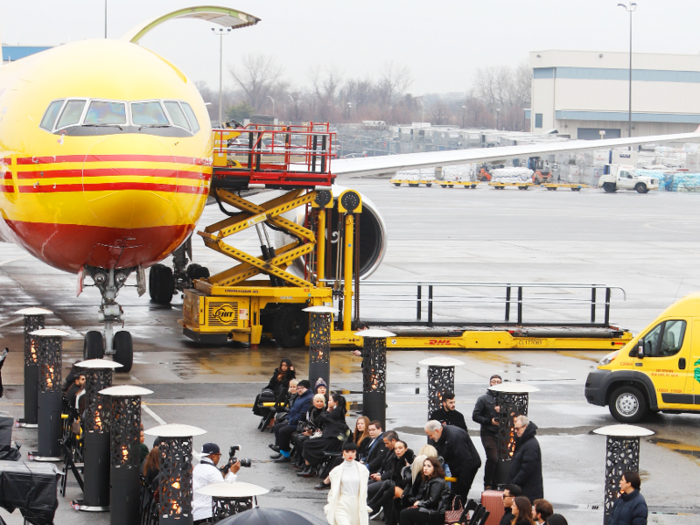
[{"x": 640, "y": 349}]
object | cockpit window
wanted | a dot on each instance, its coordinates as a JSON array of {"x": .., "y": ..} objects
[
  {"x": 148, "y": 114},
  {"x": 50, "y": 115},
  {"x": 191, "y": 117},
  {"x": 71, "y": 113},
  {"x": 176, "y": 114},
  {"x": 105, "y": 113}
]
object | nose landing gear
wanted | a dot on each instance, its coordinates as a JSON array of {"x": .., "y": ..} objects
[{"x": 119, "y": 345}]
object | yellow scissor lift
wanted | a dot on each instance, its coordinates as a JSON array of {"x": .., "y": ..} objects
[
  {"x": 258, "y": 295},
  {"x": 236, "y": 304}
]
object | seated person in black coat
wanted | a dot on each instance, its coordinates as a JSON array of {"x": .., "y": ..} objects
[
  {"x": 309, "y": 425},
  {"x": 428, "y": 498},
  {"x": 394, "y": 479},
  {"x": 376, "y": 450},
  {"x": 334, "y": 430}
]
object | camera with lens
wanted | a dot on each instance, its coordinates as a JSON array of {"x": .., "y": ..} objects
[{"x": 232, "y": 459}]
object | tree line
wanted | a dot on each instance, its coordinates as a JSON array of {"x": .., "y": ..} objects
[{"x": 497, "y": 97}]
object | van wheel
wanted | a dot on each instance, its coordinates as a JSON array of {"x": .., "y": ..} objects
[
  {"x": 627, "y": 404},
  {"x": 641, "y": 188},
  {"x": 609, "y": 187}
]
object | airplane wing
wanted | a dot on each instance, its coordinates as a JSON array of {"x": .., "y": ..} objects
[
  {"x": 222, "y": 16},
  {"x": 434, "y": 159}
]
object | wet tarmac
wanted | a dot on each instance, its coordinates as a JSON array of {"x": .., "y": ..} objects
[{"x": 644, "y": 243}]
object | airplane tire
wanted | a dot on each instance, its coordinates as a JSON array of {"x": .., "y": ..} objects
[
  {"x": 93, "y": 345},
  {"x": 290, "y": 327},
  {"x": 161, "y": 284},
  {"x": 609, "y": 187},
  {"x": 197, "y": 271},
  {"x": 641, "y": 188},
  {"x": 123, "y": 351}
]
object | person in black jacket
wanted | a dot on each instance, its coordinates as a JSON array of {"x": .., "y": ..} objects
[
  {"x": 510, "y": 492},
  {"x": 284, "y": 429},
  {"x": 428, "y": 496},
  {"x": 333, "y": 427},
  {"x": 279, "y": 382},
  {"x": 376, "y": 450},
  {"x": 630, "y": 508},
  {"x": 458, "y": 451},
  {"x": 486, "y": 414},
  {"x": 393, "y": 481},
  {"x": 526, "y": 465},
  {"x": 309, "y": 425},
  {"x": 448, "y": 414}
]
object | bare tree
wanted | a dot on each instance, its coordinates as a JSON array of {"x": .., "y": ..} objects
[
  {"x": 258, "y": 76},
  {"x": 394, "y": 80},
  {"x": 440, "y": 113}
]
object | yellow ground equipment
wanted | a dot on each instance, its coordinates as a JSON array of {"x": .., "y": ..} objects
[
  {"x": 502, "y": 185},
  {"x": 554, "y": 186}
]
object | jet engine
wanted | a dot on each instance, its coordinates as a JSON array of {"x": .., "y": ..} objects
[{"x": 373, "y": 238}]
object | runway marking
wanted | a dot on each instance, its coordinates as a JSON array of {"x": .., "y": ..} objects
[
  {"x": 10, "y": 322},
  {"x": 13, "y": 260},
  {"x": 153, "y": 414}
]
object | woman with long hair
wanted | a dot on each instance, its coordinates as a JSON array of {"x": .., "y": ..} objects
[
  {"x": 425, "y": 499},
  {"x": 522, "y": 511},
  {"x": 333, "y": 427},
  {"x": 151, "y": 468},
  {"x": 281, "y": 377},
  {"x": 361, "y": 436}
]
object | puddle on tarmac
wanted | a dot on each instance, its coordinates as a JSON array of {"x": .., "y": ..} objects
[
  {"x": 593, "y": 357},
  {"x": 676, "y": 446}
]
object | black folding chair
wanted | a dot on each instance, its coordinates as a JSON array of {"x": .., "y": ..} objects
[
  {"x": 484, "y": 517},
  {"x": 478, "y": 514},
  {"x": 69, "y": 465}
]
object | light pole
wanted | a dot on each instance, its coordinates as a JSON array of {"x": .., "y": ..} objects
[
  {"x": 221, "y": 31},
  {"x": 273, "y": 105},
  {"x": 498, "y": 119},
  {"x": 630, "y": 7},
  {"x": 422, "y": 111},
  {"x": 105, "y": 18},
  {"x": 464, "y": 111}
]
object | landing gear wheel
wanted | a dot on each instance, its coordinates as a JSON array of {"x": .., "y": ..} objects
[
  {"x": 609, "y": 187},
  {"x": 93, "y": 345},
  {"x": 627, "y": 404},
  {"x": 123, "y": 351},
  {"x": 290, "y": 327},
  {"x": 197, "y": 271},
  {"x": 161, "y": 284},
  {"x": 641, "y": 188}
]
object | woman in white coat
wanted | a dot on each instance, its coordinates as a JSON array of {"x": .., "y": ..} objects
[{"x": 347, "y": 499}]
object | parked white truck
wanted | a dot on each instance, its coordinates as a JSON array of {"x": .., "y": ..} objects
[{"x": 624, "y": 177}]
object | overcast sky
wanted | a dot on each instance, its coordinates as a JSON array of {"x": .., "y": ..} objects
[{"x": 443, "y": 42}]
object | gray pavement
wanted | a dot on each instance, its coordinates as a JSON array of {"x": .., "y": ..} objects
[{"x": 645, "y": 243}]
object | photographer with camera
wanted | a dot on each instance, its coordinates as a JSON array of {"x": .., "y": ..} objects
[{"x": 206, "y": 473}]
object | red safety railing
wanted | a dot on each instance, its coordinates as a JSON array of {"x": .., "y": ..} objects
[{"x": 274, "y": 155}]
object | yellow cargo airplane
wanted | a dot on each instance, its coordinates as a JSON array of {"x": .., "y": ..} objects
[{"x": 106, "y": 159}]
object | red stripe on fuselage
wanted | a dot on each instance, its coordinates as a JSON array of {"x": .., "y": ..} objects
[
  {"x": 149, "y": 186},
  {"x": 112, "y": 158},
  {"x": 68, "y": 246},
  {"x": 7, "y": 160},
  {"x": 113, "y": 172}
]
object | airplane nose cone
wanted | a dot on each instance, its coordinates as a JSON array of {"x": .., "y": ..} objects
[{"x": 129, "y": 181}]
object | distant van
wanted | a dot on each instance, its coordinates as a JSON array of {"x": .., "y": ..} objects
[{"x": 658, "y": 371}]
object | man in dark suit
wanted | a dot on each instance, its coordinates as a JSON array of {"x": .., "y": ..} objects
[{"x": 376, "y": 451}]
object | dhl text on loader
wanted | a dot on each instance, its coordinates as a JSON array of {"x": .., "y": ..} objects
[{"x": 264, "y": 295}]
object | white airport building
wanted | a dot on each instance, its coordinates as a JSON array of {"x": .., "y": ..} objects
[{"x": 580, "y": 93}]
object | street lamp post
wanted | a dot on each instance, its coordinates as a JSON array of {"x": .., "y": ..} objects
[
  {"x": 221, "y": 31},
  {"x": 464, "y": 111},
  {"x": 498, "y": 119},
  {"x": 422, "y": 110},
  {"x": 33, "y": 320},
  {"x": 273, "y": 105},
  {"x": 630, "y": 7}
]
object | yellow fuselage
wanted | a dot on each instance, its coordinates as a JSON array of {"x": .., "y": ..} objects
[{"x": 109, "y": 197}]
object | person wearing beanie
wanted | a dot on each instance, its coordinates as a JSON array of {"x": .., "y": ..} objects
[
  {"x": 320, "y": 387},
  {"x": 283, "y": 431}
]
